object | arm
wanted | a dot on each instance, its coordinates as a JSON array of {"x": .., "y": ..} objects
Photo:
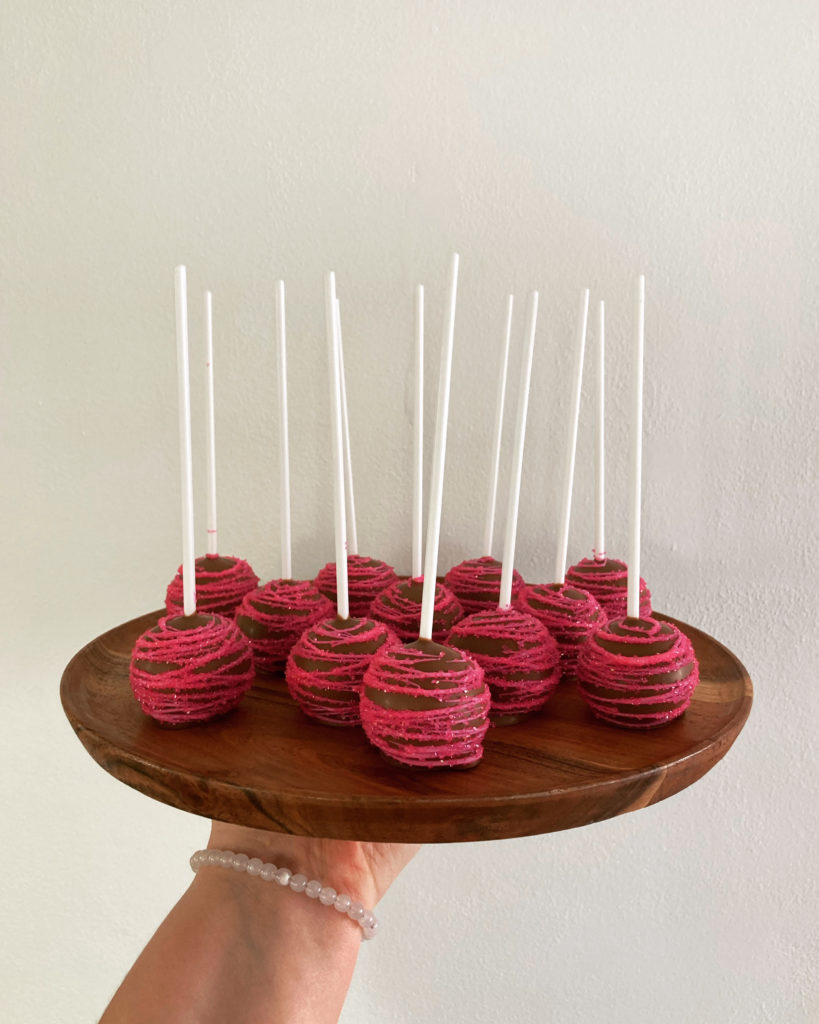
[{"x": 240, "y": 949}]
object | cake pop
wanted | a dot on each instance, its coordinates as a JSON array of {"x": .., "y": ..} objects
[
  {"x": 366, "y": 576},
  {"x": 568, "y": 613},
  {"x": 193, "y": 667},
  {"x": 475, "y": 582},
  {"x": 190, "y": 668},
  {"x": 602, "y": 577},
  {"x": 519, "y": 657},
  {"x": 275, "y": 616},
  {"x": 399, "y": 606},
  {"x": 637, "y": 671},
  {"x": 423, "y": 704},
  {"x": 606, "y": 579},
  {"x": 221, "y": 581},
  {"x": 326, "y": 664}
]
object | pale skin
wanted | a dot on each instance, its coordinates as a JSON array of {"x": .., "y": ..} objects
[{"x": 235, "y": 948}]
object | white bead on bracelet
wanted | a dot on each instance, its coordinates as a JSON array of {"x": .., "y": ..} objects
[{"x": 325, "y": 894}]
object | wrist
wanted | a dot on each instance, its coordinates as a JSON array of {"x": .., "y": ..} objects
[
  {"x": 290, "y": 958},
  {"x": 272, "y": 875},
  {"x": 336, "y": 863},
  {"x": 263, "y": 910}
]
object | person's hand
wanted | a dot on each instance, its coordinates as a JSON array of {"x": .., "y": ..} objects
[
  {"x": 232, "y": 949},
  {"x": 363, "y": 871}
]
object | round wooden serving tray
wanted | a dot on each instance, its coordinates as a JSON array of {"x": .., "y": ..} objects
[{"x": 268, "y": 766}]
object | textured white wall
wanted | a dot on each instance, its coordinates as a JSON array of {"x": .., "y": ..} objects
[{"x": 554, "y": 146}]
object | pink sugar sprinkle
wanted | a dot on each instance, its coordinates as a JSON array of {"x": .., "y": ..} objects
[
  {"x": 186, "y": 676},
  {"x": 399, "y": 607},
  {"x": 446, "y": 726},
  {"x": 635, "y": 686},
  {"x": 476, "y": 583},
  {"x": 219, "y": 591},
  {"x": 366, "y": 578},
  {"x": 275, "y": 616},
  {"x": 608, "y": 582},
  {"x": 327, "y": 664},
  {"x": 571, "y": 615},
  {"x": 520, "y": 659}
]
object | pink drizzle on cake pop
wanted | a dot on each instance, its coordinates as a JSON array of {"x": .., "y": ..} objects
[
  {"x": 426, "y": 706},
  {"x": 571, "y": 616},
  {"x": 189, "y": 670},
  {"x": 221, "y": 583},
  {"x": 520, "y": 660},
  {"x": 476, "y": 583},
  {"x": 275, "y": 616},
  {"x": 607, "y": 580},
  {"x": 399, "y": 607},
  {"x": 366, "y": 578},
  {"x": 637, "y": 673},
  {"x": 327, "y": 664}
]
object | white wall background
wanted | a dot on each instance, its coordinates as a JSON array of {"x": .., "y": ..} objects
[{"x": 554, "y": 146}]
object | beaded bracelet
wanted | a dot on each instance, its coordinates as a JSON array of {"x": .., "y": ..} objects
[{"x": 325, "y": 894}]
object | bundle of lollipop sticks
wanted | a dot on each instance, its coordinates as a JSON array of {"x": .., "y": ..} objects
[{"x": 424, "y": 667}]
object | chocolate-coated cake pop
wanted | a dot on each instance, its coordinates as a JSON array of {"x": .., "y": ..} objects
[
  {"x": 607, "y": 580},
  {"x": 326, "y": 666},
  {"x": 190, "y": 669},
  {"x": 637, "y": 673},
  {"x": 221, "y": 583},
  {"x": 426, "y": 706},
  {"x": 366, "y": 578},
  {"x": 275, "y": 616},
  {"x": 571, "y": 616},
  {"x": 399, "y": 607},
  {"x": 520, "y": 660},
  {"x": 476, "y": 583}
]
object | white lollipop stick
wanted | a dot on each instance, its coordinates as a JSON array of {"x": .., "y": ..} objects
[
  {"x": 185, "y": 451},
  {"x": 517, "y": 458},
  {"x": 418, "y": 440},
  {"x": 213, "y": 547},
  {"x": 571, "y": 440},
  {"x": 436, "y": 488},
  {"x": 284, "y": 443},
  {"x": 496, "y": 443},
  {"x": 330, "y": 314},
  {"x": 633, "y": 593},
  {"x": 352, "y": 535},
  {"x": 600, "y": 446}
]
